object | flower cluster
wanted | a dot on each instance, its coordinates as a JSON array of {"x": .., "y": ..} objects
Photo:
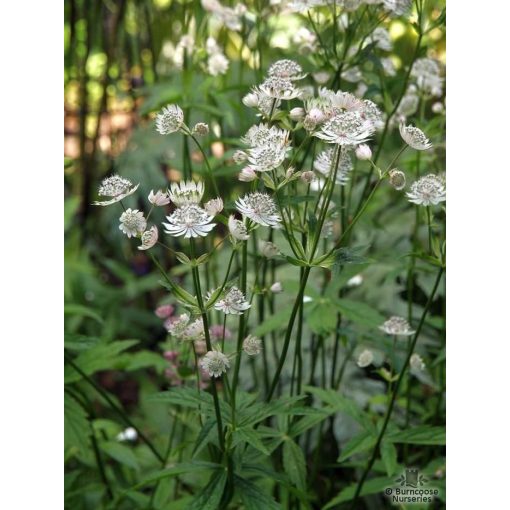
[{"x": 428, "y": 190}]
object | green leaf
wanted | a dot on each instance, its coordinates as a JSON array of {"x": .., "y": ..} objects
[
  {"x": 345, "y": 255},
  {"x": 253, "y": 498},
  {"x": 389, "y": 456},
  {"x": 186, "y": 397},
  {"x": 420, "y": 435},
  {"x": 371, "y": 486},
  {"x": 210, "y": 496},
  {"x": 75, "y": 342},
  {"x": 309, "y": 421},
  {"x": 252, "y": 438},
  {"x": 205, "y": 435},
  {"x": 179, "y": 469},
  {"x": 294, "y": 463},
  {"x": 275, "y": 321},
  {"x": 121, "y": 453},
  {"x": 322, "y": 318},
  {"x": 83, "y": 311},
  {"x": 358, "y": 444},
  {"x": 359, "y": 312},
  {"x": 76, "y": 425}
]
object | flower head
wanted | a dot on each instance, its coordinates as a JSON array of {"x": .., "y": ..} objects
[
  {"x": 194, "y": 331},
  {"x": 363, "y": 152},
  {"x": 218, "y": 332},
  {"x": 214, "y": 363},
  {"x": 276, "y": 288},
  {"x": 428, "y": 190},
  {"x": 115, "y": 187},
  {"x": 268, "y": 249},
  {"x": 189, "y": 220},
  {"x": 324, "y": 164},
  {"x": 164, "y": 311},
  {"x": 177, "y": 325},
  {"x": 201, "y": 128},
  {"x": 414, "y": 137},
  {"x": 149, "y": 238},
  {"x": 397, "y": 326},
  {"x": 252, "y": 345},
  {"x": 279, "y": 88},
  {"x": 346, "y": 128},
  {"x": 286, "y": 69},
  {"x": 397, "y": 179},
  {"x": 416, "y": 362},
  {"x": 247, "y": 174},
  {"x": 159, "y": 198},
  {"x": 214, "y": 206},
  {"x": 233, "y": 302},
  {"x": 365, "y": 358},
  {"x": 260, "y": 208},
  {"x": 237, "y": 229},
  {"x": 169, "y": 120},
  {"x": 217, "y": 64},
  {"x": 186, "y": 192},
  {"x": 132, "y": 222}
]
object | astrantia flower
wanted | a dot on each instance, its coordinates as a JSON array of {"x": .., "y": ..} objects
[
  {"x": 169, "y": 120},
  {"x": 397, "y": 7},
  {"x": 149, "y": 238},
  {"x": 428, "y": 190},
  {"x": 252, "y": 345},
  {"x": 260, "y": 208},
  {"x": 239, "y": 156},
  {"x": 397, "y": 326},
  {"x": 200, "y": 128},
  {"x": 194, "y": 331},
  {"x": 276, "y": 288},
  {"x": 287, "y": 69},
  {"x": 416, "y": 362},
  {"x": 324, "y": 164},
  {"x": 214, "y": 363},
  {"x": 414, "y": 137},
  {"x": 177, "y": 326},
  {"x": 116, "y": 187},
  {"x": 214, "y": 206},
  {"x": 261, "y": 134},
  {"x": 303, "y": 5},
  {"x": 164, "y": 311},
  {"x": 268, "y": 249},
  {"x": 397, "y": 179},
  {"x": 427, "y": 73},
  {"x": 279, "y": 88},
  {"x": 365, "y": 359},
  {"x": 381, "y": 37},
  {"x": 218, "y": 332},
  {"x": 190, "y": 220},
  {"x": 247, "y": 174},
  {"x": 267, "y": 157},
  {"x": 346, "y": 128},
  {"x": 217, "y": 64},
  {"x": 233, "y": 302},
  {"x": 186, "y": 192},
  {"x": 159, "y": 198},
  {"x": 237, "y": 229},
  {"x": 132, "y": 222},
  {"x": 370, "y": 111},
  {"x": 363, "y": 152}
]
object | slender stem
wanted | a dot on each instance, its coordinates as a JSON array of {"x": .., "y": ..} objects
[
  {"x": 429, "y": 223},
  {"x": 213, "y": 180},
  {"x": 395, "y": 393}
]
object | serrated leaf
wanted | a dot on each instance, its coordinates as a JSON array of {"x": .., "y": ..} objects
[
  {"x": 179, "y": 469},
  {"x": 420, "y": 435},
  {"x": 206, "y": 432},
  {"x": 309, "y": 421},
  {"x": 210, "y": 496},
  {"x": 389, "y": 456},
  {"x": 121, "y": 453},
  {"x": 322, "y": 318},
  {"x": 278, "y": 320},
  {"x": 358, "y": 444},
  {"x": 371, "y": 486},
  {"x": 76, "y": 425},
  {"x": 294, "y": 463},
  {"x": 359, "y": 312},
  {"x": 84, "y": 311},
  {"x": 254, "y": 498},
  {"x": 75, "y": 342},
  {"x": 251, "y": 436}
]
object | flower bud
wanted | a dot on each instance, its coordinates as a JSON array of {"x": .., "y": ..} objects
[
  {"x": 363, "y": 152},
  {"x": 214, "y": 206},
  {"x": 316, "y": 115},
  {"x": 159, "y": 198},
  {"x": 268, "y": 249},
  {"x": 239, "y": 156},
  {"x": 438, "y": 107},
  {"x": 290, "y": 172},
  {"x": 309, "y": 124},
  {"x": 164, "y": 311},
  {"x": 276, "y": 288},
  {"x": 297, "y": 114},
  {"x": 201, "y": 129},
  {"x": 307, "y": 177},
  {"x": 397, "y": 179},
  {"x": 247, "y": 174},
  {"x": 251, "y": 100},
  {"x": 170, "y": 355}
]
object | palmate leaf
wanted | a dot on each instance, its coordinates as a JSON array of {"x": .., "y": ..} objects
[
  {"x": 250, "y": 436},
  {"x": 371, "y": 486},
  {"x": 294, "y": 463},
  {"x": 185, "y": 397},
  {"x": 311, "y": 420},
  {"x": 322, "y": 318},
  {"x": 254, "y": 498},
  {"x": 210, "y": 496},
  {"x": 358, "y": 444}
]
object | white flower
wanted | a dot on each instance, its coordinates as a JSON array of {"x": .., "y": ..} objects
[
  {"x": 363, "y": 152},
  {"x": 346, "y": 128},
  {"x": 279, "y": 88},
  {"x": 287, "y": 69},
  {"x": 129, "y": 434},
  {"x": 237, "y": 229},
  {"x": 260, "y": 208},
  {"x": 194, "y": 331},
  {"x": 276, "y": 288},
  {"x": 324, "y": 164},
  {"x": 132, "y": 222},
  {"x": 214, "y": 363},
  {"x": 189, "y": 220},
  {"x": 214, "y": 206},
  {"x": 261, "y": 134},
  {"x": 177, "y": 326},
  {"x": 200, "y": 128},
  {"x": 365, "y": 359},
  {"x": 414, "y": 137},
  {"x": 397, "y": 326},
  {"x": 217, "y": 64},
  {"x": 428, "y": 190},
  {"x": 186, "y": 192},
  {"x": 239, "y": 156},
  {"x": 233, "y": 302},
  {"x": 417, "y": 362},
  {"x": 397, "y": 179},
  {"x": 247, "y": 174},
  {"x": 268, "y": 249},
  {"x": 252, "y": 345},
  {"x": 267, "y": 157},
  {"x": 297, "y": 114},
  {"x": 304, "y": 5},
  {"x": 438, "y": 107},
  {"x": 427, "y": 73},
  {"x": 355, "y": 281},
  {"x": 305, "y": 39},
  {"x": 149, "y": 238},
  {"x": 322, "y": 77},
  {"x": 388, "y": 66},
  {"x": 307, "y": 177},
  {"x": 381, "y": 37},
  {"x": 116, "y": 187},
  {"x": 159, "y": 198},
  {"x": 397, "y": 7},
  {"x": 251, "y": 100},
  {"x": 169, "y": 120}
]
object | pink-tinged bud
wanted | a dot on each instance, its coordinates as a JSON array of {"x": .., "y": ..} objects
[
  {"x": 216, "y": 332},
  {"x": 170, "y": 355},
  {"x": 307, "y": 177},
  {"x": 438, "y": 107},
  {"x": 297, "y": 114},
  {"x": 276, "y": 288},
  {"x": 247, "y": 174},
  {"x": 251, "y": 100},
  {"x": 316, "y": 115},
  {"x": 200, "y": 346},
  {"x": 164, "y": 311},
  {"x": 363, "y": 152}
]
